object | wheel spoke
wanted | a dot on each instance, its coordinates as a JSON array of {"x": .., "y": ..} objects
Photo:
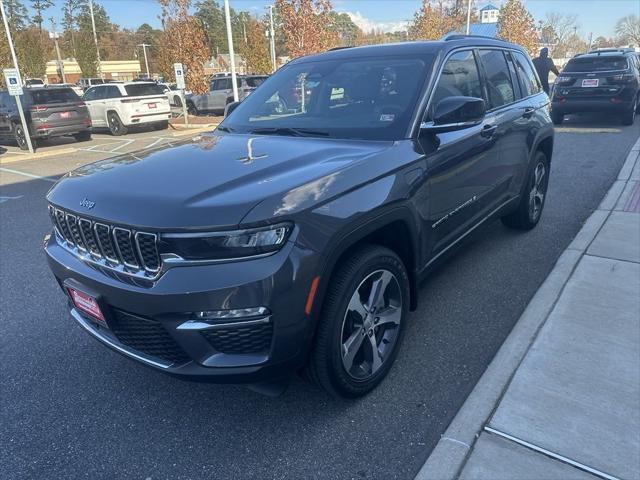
[
  {"x": 378, "y": 288},
  {"x": 355, "y": 305},
  {"x": 351, "y": 347},
  {"x": 376, "y": 360},
  {"x": 389, "y": 315}
]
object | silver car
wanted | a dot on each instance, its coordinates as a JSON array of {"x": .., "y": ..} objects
[{"x": 220, "y": 94}]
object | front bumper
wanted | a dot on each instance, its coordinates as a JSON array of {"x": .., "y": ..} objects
[{"x": 145, "y": 319}]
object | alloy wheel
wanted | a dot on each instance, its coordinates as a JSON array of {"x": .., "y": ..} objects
[
  {"x": 114, "y": 124},
  {"x": 371, "y": 324},
  {"x": 538, "y": 191},
  {"x": 21, "y": 140}
]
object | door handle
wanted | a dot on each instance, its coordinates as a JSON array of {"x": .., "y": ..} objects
[
  {"x": 488, "y": 131},
  {"x": 528, "y": 112}
]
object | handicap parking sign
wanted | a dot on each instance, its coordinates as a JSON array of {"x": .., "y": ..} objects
[{"x": 12, "y": 80}]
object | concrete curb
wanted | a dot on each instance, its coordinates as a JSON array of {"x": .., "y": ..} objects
[{"x": 452, "y": 451}]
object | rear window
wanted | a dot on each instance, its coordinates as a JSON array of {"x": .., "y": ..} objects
[
  {"x": 141, "y": 89},
  {"x": 54, "y": 95},
  {"x": 255, "y": 81},
  {"x": 596, "y": 64}
]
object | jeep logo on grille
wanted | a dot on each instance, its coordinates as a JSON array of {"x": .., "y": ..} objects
[{"x": 88, "y": 204}]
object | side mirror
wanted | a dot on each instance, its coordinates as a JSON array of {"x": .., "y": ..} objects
[
  {"x": 230, "y": 108},
  {"x": 455, "y": 113}
]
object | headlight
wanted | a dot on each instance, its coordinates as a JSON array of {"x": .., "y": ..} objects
[{"x": 226, "y": 245}]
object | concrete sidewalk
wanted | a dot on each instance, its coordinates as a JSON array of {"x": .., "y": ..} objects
[{"x": 561, "y": 399}]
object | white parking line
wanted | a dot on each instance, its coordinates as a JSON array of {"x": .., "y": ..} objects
[
  {"x": 30, "y": 175},
  {"x": 98, "y": 148},
  {"x": 6, "y": 199}
]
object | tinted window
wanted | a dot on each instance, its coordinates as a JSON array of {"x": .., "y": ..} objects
[
  {"x": 514, "y": 76},
  {"x": 140, "y": 89},
  {"x": 112, "y": 92},
  {"x": 255, "y": 81},
  {"x": 528, "y": 78},
  {"x": 96, "y": 81},
  {"x": 459, "y": 77},
  {"x": 499, "y": 86},
  {"x": 90, "y": 94},
  {"x": 596, "y": 64},
  {"x": 53, "y": 95},
  {"x": 358, "y": 98}
]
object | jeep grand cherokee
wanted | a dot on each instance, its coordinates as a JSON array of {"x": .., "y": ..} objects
[{"x": 294, "y": 239}]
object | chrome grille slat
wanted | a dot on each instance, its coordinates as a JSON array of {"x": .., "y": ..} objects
[{"x": 116, "y": 248}]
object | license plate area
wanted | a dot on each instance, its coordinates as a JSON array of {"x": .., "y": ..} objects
[
  {"x": 152, "y": 105},
  {"x": 87, "y": 304},
  {"x": 590, "y": 82},
  {"x": 65, "y": 114}
]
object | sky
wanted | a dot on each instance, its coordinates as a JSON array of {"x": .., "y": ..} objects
[{"x": 594, "y": 16}]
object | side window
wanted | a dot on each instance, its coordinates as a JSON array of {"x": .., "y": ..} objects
[
  {"x": 499, "y": 86},
  {"x": 514, "y": 76},
  {"x": 225, "y": 84},
  {"x": 112, "y": 92},
  {"x": 215, "y": 85},
  {"x": 528, "y": 78},
  {"x": 89, "y": 94},
  {"x": 459, "y": 77}
]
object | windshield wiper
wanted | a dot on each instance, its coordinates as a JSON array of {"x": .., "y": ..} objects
[{"x": 294, "y": 132}]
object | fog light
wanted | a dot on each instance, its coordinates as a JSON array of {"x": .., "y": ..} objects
[{"x": 217, "y": 315}]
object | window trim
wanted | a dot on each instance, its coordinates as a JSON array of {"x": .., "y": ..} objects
[{"x": 535, "y": 74}]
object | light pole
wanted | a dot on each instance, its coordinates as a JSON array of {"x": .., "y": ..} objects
[
  {"x": 146, "y": 62},
  {"x": 25, "y": 128},
  {"x": 232, "y": 56},
  {"x": 95, "y": 38},
  {"x": 54, "y": 34},
  {"x": 272, "y": 40},
  {"x": 469, "y": 3}
]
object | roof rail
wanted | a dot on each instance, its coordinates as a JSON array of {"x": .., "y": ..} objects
[
  {"x": 459, "y": 36},
  {"x": 598, "y": 51}
]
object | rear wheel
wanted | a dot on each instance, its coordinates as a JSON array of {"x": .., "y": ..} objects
[
  {"x": 191, "y": 109},
  {"x": 115, "y": 124},
  {"x": 361, "y": 324},
  {"x": 532, "y": 201},
  {"x": 557, "y": 118},
  {"x": 20, "y": 137},
  {"x": 83, "y": 136},
  {"x": 629, "y": 116},
  {"x": 177, "y": 101}
]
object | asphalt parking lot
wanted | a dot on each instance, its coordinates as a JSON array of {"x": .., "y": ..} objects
[{"x": 71, "y": 408}]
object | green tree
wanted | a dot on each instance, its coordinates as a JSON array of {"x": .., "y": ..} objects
[
  {"x": 306, "y": 26},
  {"x": 346, "y": 31},
  {"x": 86, "y": 55},
  {"x": 33, "y": 50},
  {"x": 435, "y": 19},
  {"x": 17, "y": 15},
  {"x": 39, "y": 6},
  {"x": 70, "y": 12},
  {"x": 256, "y": 50}
]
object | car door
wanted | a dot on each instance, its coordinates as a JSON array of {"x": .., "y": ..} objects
[
  {"x": 94, "y": 98},
  {"x": 220, "y": 93},
  {"x": 510, "y": 115},
  {"x": 460, "y": 162}
]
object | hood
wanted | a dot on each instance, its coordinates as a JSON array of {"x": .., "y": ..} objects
[{"x": 211, "y": 181}]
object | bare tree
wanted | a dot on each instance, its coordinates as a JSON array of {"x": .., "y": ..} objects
[
  {"x": 560, "y": 28},
  {"x": 628, "y": 29}
]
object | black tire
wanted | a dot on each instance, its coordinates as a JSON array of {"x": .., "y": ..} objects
[
  {"x": 116, "y": 127},
  {"x": 177, "y": 101},
  {"x": 557, "y": 118},
  {"x": 527, "y": 216},
  {"x": 192, "y": 110},
  {"x": 161, "y": 125},
  {"x": 326, "y": 366},
  {"x": 84, "y": 136},
  {"x": 629, "y": 117},
  {"x": 21, "y": 139}
]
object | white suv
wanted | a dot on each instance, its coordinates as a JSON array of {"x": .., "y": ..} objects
[{"x": 121, "y": 105}]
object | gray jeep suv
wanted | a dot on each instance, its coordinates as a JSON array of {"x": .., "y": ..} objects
[{"x": 295, "y": 239}]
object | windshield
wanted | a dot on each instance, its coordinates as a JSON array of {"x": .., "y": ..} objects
[
  {"x": 596, "y": 64},
  {"x": 141, "y": 89},
  {"x": 54, "y": 95},
  {"x": 255, "y": 81},
  {"x": 368, "y": 98}
]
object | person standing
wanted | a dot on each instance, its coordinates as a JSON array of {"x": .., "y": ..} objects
[{"x": 544, "y": 65}]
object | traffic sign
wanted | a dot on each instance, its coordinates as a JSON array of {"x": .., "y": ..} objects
[
  {"x": 13, "y": 82},
  {"x": 179, "y": 71}
]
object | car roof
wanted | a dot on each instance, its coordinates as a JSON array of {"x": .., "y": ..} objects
[
  {"x": 410, "y": 48},
  {"x": 603, "y": 54}
]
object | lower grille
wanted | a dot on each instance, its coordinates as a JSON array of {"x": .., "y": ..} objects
[
  {"x": 147, "y": 336},
  {"x": 237, "y": 340}
]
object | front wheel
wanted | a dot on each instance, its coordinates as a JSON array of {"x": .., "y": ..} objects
[
  {"x": 532, "y": 201},
  {"x": 116, "y": 126},
  {"x": 191, "y": 109},
  {"x": 361, "y": 324},
  {"x": 557, "y": 118}
]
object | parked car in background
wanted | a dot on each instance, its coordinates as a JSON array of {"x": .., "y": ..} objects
[
  {"x": 49, "y": 111},
  {"x": 173, "y": 94},
  {"x": 297, "y": 240},
  {"x": 34, "y": 82},
  {"x": 119, "y": 106},
  {"x": 72, "y": 86},
  {"x": 598, "y": 81},
  {"x": 85, "y": 83},
  {"x": 220, "y": 93}
]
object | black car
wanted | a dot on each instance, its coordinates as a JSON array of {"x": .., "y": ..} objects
[
  {"x": 599, "y": 81},
  {"x": 296, "y": 240},
  {"x": 49, "y": 111}
]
